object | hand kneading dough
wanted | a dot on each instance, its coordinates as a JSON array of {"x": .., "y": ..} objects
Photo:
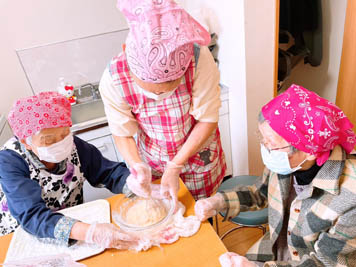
[
  {"x": 145, "y": 212},
  {"x": 168, "y": 233}
]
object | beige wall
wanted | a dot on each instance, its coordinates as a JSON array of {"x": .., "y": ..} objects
[
  {"x": 246, "y": 30},
  {"x": 226, "y": 18},
  {"x": 323, "y": 79},
  {"x": 25, "y": 24},
  {"x": 260, "y": 67}
]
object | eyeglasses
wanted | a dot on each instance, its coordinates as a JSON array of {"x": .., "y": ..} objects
[
  {"x": 278, "y": 148},
  {"x": 260, "y": 138}
]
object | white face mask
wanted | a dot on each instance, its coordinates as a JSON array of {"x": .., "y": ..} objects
[
  {"x": 56, "y": 152},
  {"x": 153, "y": 95},
  {"x": 278, "y": 161}
]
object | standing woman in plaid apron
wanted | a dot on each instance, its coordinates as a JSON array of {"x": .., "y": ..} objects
[{"x": 165, "y": 88}]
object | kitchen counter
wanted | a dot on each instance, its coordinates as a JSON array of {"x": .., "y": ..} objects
[
  {"x": 80, "y": 127},
  {"x": 89, "y": 124}
]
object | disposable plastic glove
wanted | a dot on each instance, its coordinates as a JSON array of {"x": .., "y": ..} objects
[
  {"x": 156, "y": 191},
  {"x": 139, "y": 181},
  {"x": 230, "y": 259},
  {"x": 108, "y": 235},
  {"x": 208, "y": 207},
  {"x": 170, "y": 181}
]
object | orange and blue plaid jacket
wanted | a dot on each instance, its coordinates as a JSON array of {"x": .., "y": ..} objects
[{"x": 322, "y": 221}]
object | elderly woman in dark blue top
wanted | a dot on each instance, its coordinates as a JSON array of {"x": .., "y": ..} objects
[{"x": 42, "y": 170}]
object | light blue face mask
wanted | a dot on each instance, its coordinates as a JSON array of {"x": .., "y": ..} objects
[{"x": 278, "y": 161}]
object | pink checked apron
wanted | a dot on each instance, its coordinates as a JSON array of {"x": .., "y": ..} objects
[{"x": 165, "y": 125}]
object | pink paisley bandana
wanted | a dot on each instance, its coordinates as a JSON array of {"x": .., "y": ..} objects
[
  {"x": 159, "y": 46},
  {"x": 45, "y": 110},
  {"x": 309, "y": 122}
]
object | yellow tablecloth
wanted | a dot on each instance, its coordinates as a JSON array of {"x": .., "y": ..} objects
[{"x": 202, "y": 249}]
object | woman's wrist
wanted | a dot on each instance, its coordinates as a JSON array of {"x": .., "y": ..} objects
[
  {"x": 133, "y": 162},
  {"x": 128, "y": 149},
  {"x": 79, "y": 231},
  {"x": 179, "y": 159},
  {"x": 175, "y": 165},
  {"x": 221, "y": 200}
]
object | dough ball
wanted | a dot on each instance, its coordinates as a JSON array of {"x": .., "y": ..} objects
[{"x": 145, "y": 212}]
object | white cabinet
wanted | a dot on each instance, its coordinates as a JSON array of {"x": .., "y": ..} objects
[
  {"x": 224, "y": 127},
  {"x": 102, "y": 139},
  {"x": 106, "y": 146}
]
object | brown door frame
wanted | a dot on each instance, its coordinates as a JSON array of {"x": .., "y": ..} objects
[
  {"x": 346, "y": 88},
  {"x": 276, "y": 49}
]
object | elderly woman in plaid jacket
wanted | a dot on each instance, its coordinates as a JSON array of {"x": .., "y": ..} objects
[{"x": 309, "y": 185}]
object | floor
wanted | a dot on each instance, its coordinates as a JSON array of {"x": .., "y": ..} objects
[{"x": 240, "y": 240}]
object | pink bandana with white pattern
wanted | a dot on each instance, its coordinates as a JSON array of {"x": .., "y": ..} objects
[
  {"x": 159, "y": 45},
  {"x": 44, "y": 110},
  {"x": 309, "y": 122}
]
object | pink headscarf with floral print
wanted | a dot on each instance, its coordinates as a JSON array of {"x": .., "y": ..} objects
[
  {"x": 45, "y": 110},
  {"x": 159, "y": 46},
  {"x": 309, "y": 122}
]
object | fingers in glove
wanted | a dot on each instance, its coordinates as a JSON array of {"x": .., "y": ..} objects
[
  {"x": 205, "y": 215},
  {"x": 124, "y": 245},
  {"x": 230, "y": 259},
  {"x": 175, "y": 204},
  {"x": 133, "y": 171},
  {"x": 122, "y": 240},
  {"x": 143, "y": 190},
  {"x": 142, "y": 172},
  {"x": 118, "y": 235},
  {"x": 204, "y": 209},
  {"x": 169, "y": 185},
  {"x": 225, "y": 260},
  {"x": 156, "y": 191},
  {"x": 173, "y": 193},
  {"x": 164, "y": 191}
]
